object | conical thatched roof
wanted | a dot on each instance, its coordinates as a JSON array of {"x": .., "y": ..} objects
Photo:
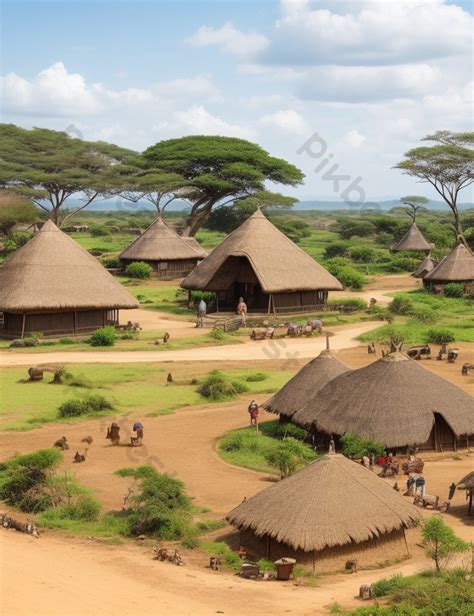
[
  {"x": 413, "y": 240},
  {"x": 278, "y": 263},
  {"x": 310, "y": 379},
  {"x": 467, "y": 482},
  {"x": 161, "y": 243},
  {"x": 458, "y": 266},
  {"x": 332, "y": 501},
  {"x": 52, "y": 272},
  {"x": 392, "y": 400},
  {"x": 426, "y": 266}
]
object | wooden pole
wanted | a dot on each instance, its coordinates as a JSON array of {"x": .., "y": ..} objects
[
  {"x": 269, "y": 303},
  {"x": 327, "y": 342},
  {"x": 75, "y": 322},
  {"x": 23, "y": 325},
  {"x": 406, "y": 542}
]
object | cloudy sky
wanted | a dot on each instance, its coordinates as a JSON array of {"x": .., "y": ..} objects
[{"x": 370, "y": 78}]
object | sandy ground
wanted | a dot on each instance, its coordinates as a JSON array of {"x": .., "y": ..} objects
[
  {"x": 382, "y": 287},
  {"x": 151, "y": 320},
  {"x": 344, "y": 337}
]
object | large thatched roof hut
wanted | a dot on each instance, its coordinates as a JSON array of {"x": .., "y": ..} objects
[
  {"x": 310, "y": 379},
  {"x": 395, "y": 401},
  {"x": 52, "y": 285},
  {"x": 467, "y": 483},
  {"x": 457, "y": 266},
  {"x": 329, "y": 512},
  {"x": 170, "y": 255},
  {"x": 259, "y": 263},
  {"x": 412, "y": 241},
  {"x": 425, "y": 267}
]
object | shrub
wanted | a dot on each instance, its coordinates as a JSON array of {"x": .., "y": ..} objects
[
  {"x": 358, "y": 302},
  {"x": 94, "y": 403},
  {"x": 96, "y": 252},
  {"x": 401, "y": 264},
  {"x": 139, "y": 269},
  {"x": 335, "y": 249},
  {"x": 401, "y": 305},
  {"x": 256, "y": 377},
  {"x": 440, "y": 541},
  {"x": 217, "y": 386},
  {"x": 439, "y": 336},
  {"x": 24, "y": 343},
  {"x": 423, "y": 314},
  {"x": 216, "y": 334},
  {"x": 350, "y": 278},
  {"x": 104, "y": 336},
  {"x": 363, "y": 254},
  {"x": 282, "y": 430},
  {"x": 99, "y": 231},
  {"x": 111, "y": 262},
  {"x": 66, "y": 341},
  {"x": 285, "y": 456},
  {"x": 207, "y": 296},
  {"x": 453, "y": 289},
  {"x": 355, "y": 446}
]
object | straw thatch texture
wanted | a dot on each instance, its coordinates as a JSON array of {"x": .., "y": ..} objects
[
  {"x": 393, "y": 400},
  {"x": 413, "y": 240},
  {"x": 160, "y": 243},
  {"x": 331, "y": 502},
  {"x": 279, "y": 265},
  {"x": 52, "y": 272},
  {"x": 458, "y": 266},
  {"x": 426, "y": 266},
  {"x": 467, "y": 482},
  {"x": 310, "y": 379}
]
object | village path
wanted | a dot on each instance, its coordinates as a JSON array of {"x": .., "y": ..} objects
[{"x": 291, "y": 348}]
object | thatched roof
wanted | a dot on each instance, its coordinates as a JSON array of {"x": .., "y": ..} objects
[
  {"x": 161, "y": 243},
  {"x": 413, "y": 240},
  {"x": 310, "y": 379},
  {"x": 52, "y": 272},
  {"x": 277, "y": 262},
  {"x": 392, "y": 400},
  {"x": 458, "y": 266},
  {"x": 467, "y": 482},
  {"x": 332, "y": 501},
  {"x": 426, "y": 266}
]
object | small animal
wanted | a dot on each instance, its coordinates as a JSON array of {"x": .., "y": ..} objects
[
  {"x": 214, "y": 563},
  {"x": 166, "y": 337},
  {"x": 169, "y": 378},
  {"x": 87, "y": 439},
  {"x": 62, "y": 443},
  {"x": 79, "y": 457},
  {"x": 351, "y": 565}
]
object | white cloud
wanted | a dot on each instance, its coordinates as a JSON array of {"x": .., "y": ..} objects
[
  {"x": 286, "y": 120},
  {"x": 352, "y": 139},
  {"x": 198, "y": 121},
  {"x": 229, "y": 39}
]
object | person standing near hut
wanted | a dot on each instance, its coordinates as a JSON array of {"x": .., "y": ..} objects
[
  {"x": 242, "y": 311},
  {"x": 410, "y": 485},
  {"x": 253, "y": 412},
  {"x": 138, "y": 429},
  {"x": 201, "y": 313},
  {"x": 332, "y": 445},
  {"x": 420, "y": 485}
]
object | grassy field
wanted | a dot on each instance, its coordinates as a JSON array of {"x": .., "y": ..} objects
[
  {"x": 138, "y": 388},
  {"x": 428, "y": 313}
]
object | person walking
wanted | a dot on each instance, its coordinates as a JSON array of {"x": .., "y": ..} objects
[
  {"x": 420, "y": 485},
  {"x": 253, "y": 412},
  {"x": 332, "y": 445},
  {"x": 138, "y": 428},
  {"x": 201, "y": 313},
  {"x": 242, "y": 311}
]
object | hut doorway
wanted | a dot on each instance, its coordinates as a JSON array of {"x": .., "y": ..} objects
[{"x": 441, "y": 438}]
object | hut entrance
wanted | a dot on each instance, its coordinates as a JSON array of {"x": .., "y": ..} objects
[
  {"x": 441, "y": 438},
  {"x": 234, "y": 279}
]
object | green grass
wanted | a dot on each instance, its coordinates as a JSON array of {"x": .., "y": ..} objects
[
  {"x": 247, "y": 448},
  {"x": 137, "y": 388},
  {"x": 456, "y": 315}
]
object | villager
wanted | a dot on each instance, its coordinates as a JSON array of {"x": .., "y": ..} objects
[
  {"x": 452, "y": 490},
  {"x": 366, "y": 461},
  {"x": 138, "y": 428},
  {"x": 253, "y": 412},
  {"x": 410, "y": 486},
  {"x": 420, "y": 485},
  {"x": 242, "y": 311},
  {"x": 201, "y": 313},
  {"x": 332, "y": 445}
]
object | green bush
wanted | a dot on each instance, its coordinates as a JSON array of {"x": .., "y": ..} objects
[
  {"x": 401, "y": 264},
  {"x": 363, "y": 254},
  {"x": 217, "y": 386},
  {"x": 66, "y": 341},
  {"x": 423, "y": 314},
  {"x": 104, "y": 336},
  {"x": 217, "y": 334},
  {"x": 111, "y": 262},
  {"x": 453, "y": 289},
  {"x": 139, "y": 269},
  {"x": 208, "y": 297},
  {"x": 355, "y": 446},
  {"x": 401, "y": 305},
  {"x": 358, "y": 302},
  {"x": 349, "y": 277},
  {"x": 95, "y": 403},
  {"x": 23, "y": 479},
  {"x": 282, "y": 430},
  {"x": 336, "y": 249},
  {"x": 285, "y": 456},
  {"x": 96, "y": 252},
  {"x": 219, "y": 548},
  {"x": 256, "y": 377},
  {"x": 439, "y": 336},
  {"x": 99, "y": 231}
]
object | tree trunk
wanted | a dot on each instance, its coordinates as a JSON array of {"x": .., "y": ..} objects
[{"x": 195, "y": 222}]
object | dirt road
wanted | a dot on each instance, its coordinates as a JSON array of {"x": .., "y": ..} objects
[{"x": 344, "y": 337}]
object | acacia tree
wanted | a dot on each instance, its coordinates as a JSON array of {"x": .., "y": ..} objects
[
  {"x": 448, "y": 166},
  {"x": 214, "y": 171},
  {"x": 50, "y": 167},
  {"x": 14, "y": 209},
  {"x": 414, "y": 204},
  {"x": 440, "y": 541}
]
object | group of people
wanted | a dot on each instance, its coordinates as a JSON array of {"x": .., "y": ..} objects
[
  {"x": 242, "y": 311},
  {"x": 415, "y": 485}
]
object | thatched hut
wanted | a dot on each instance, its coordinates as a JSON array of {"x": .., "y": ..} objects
[
  {"x": 425, "y": 267},
  {"x": 310, "y": 379},
  {"x": 52, "y": 285},
  {"x": 331, "y": 511},
  {"x": 395, "y": 401},
  {"x": 457, "y": 266},
  {"x": 170, "y": 255},
  {"x": 412, "y": 241},
  {"x": 260, "y": 264},
  {"x": 467, "y": 483}
]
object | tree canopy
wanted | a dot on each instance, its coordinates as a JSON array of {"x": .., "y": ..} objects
[
  {"x": 15, "y": 209},
  {"x": 50, "y": 166},
  {"x": 448, "y": 166},
  {"x": 215, "y": 170}
]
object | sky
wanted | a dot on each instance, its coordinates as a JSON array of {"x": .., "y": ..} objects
[{"x": 340, "y": 88}]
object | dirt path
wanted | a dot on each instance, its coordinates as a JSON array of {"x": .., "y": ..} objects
[
  {"x": 153, "y": 320},
  {"x": 344, "y": 337}
]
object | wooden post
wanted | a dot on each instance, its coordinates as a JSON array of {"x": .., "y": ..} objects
[
  {"x": 268, "y": 547},
  {"x": 327, "y": 342},
  {"x": 269, "y": 303},
  {"x": 23, "y": 325},
  {"x": 75, "y": 322},
  {"x": 406, "y": 542}
]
